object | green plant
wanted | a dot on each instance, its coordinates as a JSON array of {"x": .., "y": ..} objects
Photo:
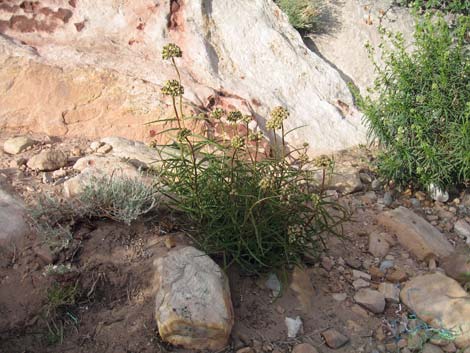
[
  {"x": 304, "y": 15},
  {"x": 421, "y": 110},
  {"x": 454, "y": 6},
  {"x": 117, "y": 198},
  {"x": 58, "y": 311},
  {"x": 259, "y": 210}
]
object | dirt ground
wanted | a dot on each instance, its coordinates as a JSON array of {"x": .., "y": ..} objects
[{"x": 112, "y": 276}]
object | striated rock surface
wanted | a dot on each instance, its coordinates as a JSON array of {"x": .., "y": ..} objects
[
  {"x": 193, "y": 304},
  {"x": 66, "y": 71},
  {"x": 441, "y": 302}
]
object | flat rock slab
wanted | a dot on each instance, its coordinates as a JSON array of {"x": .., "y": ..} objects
[
  {"x": 193, "y": 303},
  {"x": 415, "y": 233},
  {"x": 441, "y": 302}
]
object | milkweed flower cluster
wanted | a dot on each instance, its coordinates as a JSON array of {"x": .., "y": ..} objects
[
  {"x": 278, "y": 115},
  {"x": 172, "y": 88},
  {"x": 171, "y": 51},
  {"x": 237, "y": 142},
  {"x": 218, "y": 113},
  {"x": 235, "y": 116}
]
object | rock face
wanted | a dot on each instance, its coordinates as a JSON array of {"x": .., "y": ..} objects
[
  {"x": 48, "y": 160},
  {"x": 416, "y": 234},
  {"x": 193, "y": 304},
  {"x": 441, "y": 302},
  {"x": 66, "y": 71},
  {"x": 17, "y": 144},
  {"x": 353, "y": 24}
]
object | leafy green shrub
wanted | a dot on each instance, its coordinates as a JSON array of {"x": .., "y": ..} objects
[
  {"x": 421, "y": 113},
  {"x": 260, "y": 213},
  {"x": 304, "y": 15},
  {"x": 453, "y": 6},
  {"x": 120, "y": 199}
]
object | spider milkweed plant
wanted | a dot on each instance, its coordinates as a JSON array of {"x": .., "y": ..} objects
[{"x": 259, "y": 210}]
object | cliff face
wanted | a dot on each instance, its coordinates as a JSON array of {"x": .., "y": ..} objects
[{"x": 94, "y": 68}]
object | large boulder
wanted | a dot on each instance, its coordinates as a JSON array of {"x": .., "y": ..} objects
[
  {"x": 441, "y": 302},
  {"x": 193, "y": 304},
  {"x": 94, "y": 68}
]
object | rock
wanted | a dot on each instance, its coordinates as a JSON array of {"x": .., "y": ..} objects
[
  {"x": 365, "y": 178},
  {"x": 104, "y": 149},
  {"x": 397, "y": 276},
  {"x": 457, "y": 266},
  {"x": 136, "y": 152},
  {"x": 359, "y": 23},
  {"x": 385, "y": 265},
  {"x": 371, "y": 300},
  {"x": 415, "y": 203},
  {"x": 390, "y": 291},
  {"x": 246, "y": 350},
  {"x": 437, "y": 194},
  {"x": 48, "y": 160},
  {"x": 449, "y": 348},
  {"x": 59, "y": 173},
  {"x": 294, "y": 326},
  {"x": 339, "y": 297},
  {"x": 18, "y": 144},
  {"x": 118, "y": 89},
  {"x": 13, "y": 225},
  {"x": 302, "y": 288},
  {"x": 334, "y": 339},
  {"x": 327, "y": 263},
  {"x": 462, "y": 229},
  {"x": 193, "y": 304},
  {"x": 95, "y": 145},
  {"x": 97, "y": 167},
  {"x": 304, "y": 348},
  {"x": 347, "y": 181},
  {"x": 47, "y": 178},
  {"x": 360, "y": 283},
  {"x": 441, "y": 302},
  {"x": 378, "y": 245},
  {"x": 376, "y": 185},
  {"x": 415, "y": 234},
  {"x": 360, "y": 274},
  {"x": 273, "y": 284},
  {"x": 388, "y": 199}
]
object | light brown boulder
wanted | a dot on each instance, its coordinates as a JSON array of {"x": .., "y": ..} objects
[
  {"x": 415, "y": 233},
  {"x": 441, "y": 302},
  {"x": 48, "y": 160},
  {"x": 17, "y": 144},
  {"x": 193, "y": 304}
]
